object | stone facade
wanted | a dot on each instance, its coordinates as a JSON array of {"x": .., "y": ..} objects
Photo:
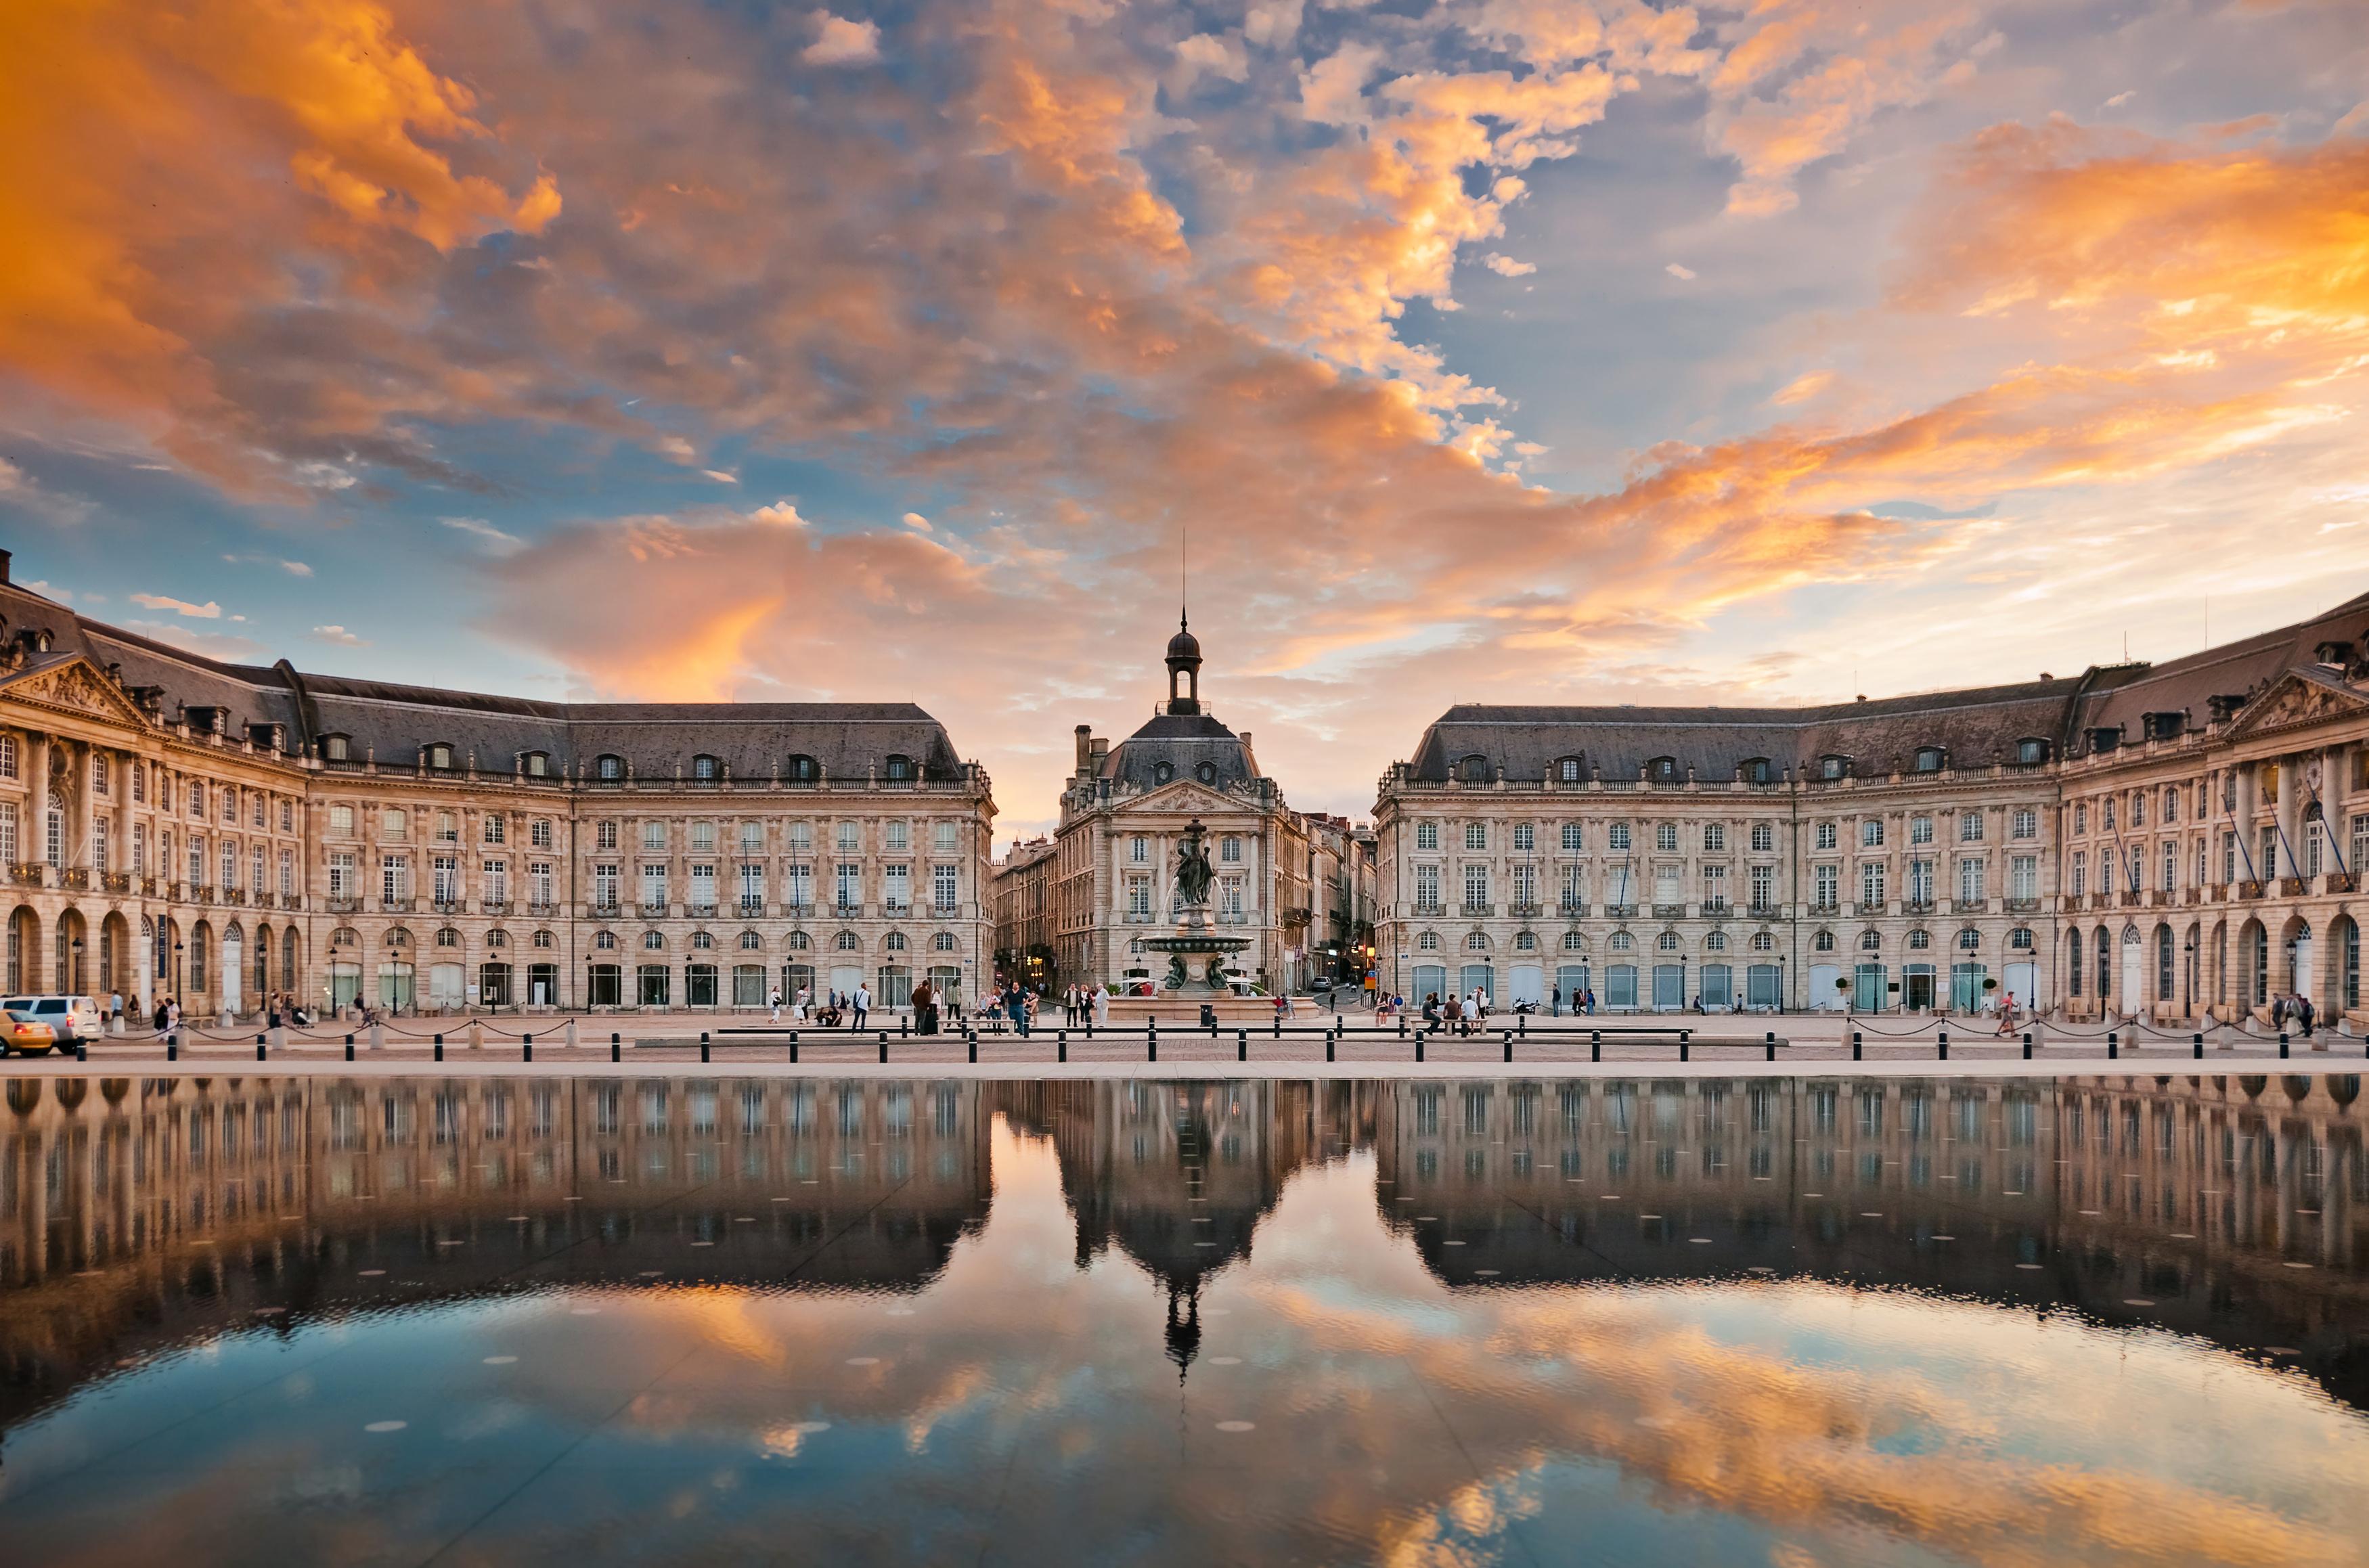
[
  {"x": 176, "y": 825},
  {"x": 1919, "y": 852}
]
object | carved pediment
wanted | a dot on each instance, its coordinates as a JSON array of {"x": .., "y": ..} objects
[
  {"x": 73, "y": 684},
  {"x": 1186, "y": 796},
  {"x": 2299, "y": 697}
]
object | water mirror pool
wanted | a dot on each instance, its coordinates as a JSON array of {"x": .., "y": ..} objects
[{"x": 1782, "y": 1321}]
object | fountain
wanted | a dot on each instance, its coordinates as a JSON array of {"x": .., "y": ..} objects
[{"x": 1194, "y": 940}]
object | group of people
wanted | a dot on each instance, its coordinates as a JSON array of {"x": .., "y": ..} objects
[
  {"x": 1085, "y": 1005},
  {"x": 1583, "y": 1002},
  {"x": 2300, "y": 1011},
  {"x": 851, "y": 1008},
  {"x": 1463, "y": 1014}
]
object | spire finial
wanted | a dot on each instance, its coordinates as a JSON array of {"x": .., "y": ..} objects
[{"x": 1184, "y": 575}]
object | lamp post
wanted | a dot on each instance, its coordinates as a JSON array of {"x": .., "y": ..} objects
[
  {"x": 2189, "y": 975},
  {"x": 178, "y": 950},
  {"x": 76, "y": 986}
]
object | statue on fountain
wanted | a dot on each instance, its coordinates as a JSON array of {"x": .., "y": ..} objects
[{"x": 1193, "y": 873}]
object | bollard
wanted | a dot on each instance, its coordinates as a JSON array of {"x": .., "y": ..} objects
[
  {"x": 1418, "y": 1045},
  {"x": 262, "y": 1051},
  {"x": 2283, "y": 1045},
  {"x": 2196, "y": 1043},
  {"x": 1151, "y": 1047},
  {"x": 794, "y": 1049},
  {"x": 1684, "y": 1035},
  {"x": 439, "y": 1047},
  {"x": 1945, "y": 1045},
  {"x": 2113, "y": 1045},
  {"x": 905, "y": 1025},
  {"x": 1772, "y": 1044},
  {"x": 1522, "y": 1022},
  {"x": 616, "y": 1048},
  {"x": 1684, "y": 1049},
  {"x": 884, "y": 1048},
  {"x": 350, "y": 1047},
  {"x": 1402, "y": 1026},
  {"x": 1278, "y": 1026},
  {"x": 1062, "y": 1047},
  {"x": 1242, "y": 1045},
  {"x": 1856, "y": 1045},
  {"x": 971, "y": 1040},
  {"x": 172, "y": 1048},
  {"x": 81, "y": 1050},
  {"x": 1596, "y": 1045},
  {"x": 1328, "y": 1047},
  {"x": 526, "y": 1047},
  {"x": 702, "y": 1046},
  {"x": 2026, "y": 1045},
  {"x": 1508, "y": 1036}
]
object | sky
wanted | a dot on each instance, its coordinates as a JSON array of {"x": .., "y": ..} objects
[{"x": 1498, "y": 350}]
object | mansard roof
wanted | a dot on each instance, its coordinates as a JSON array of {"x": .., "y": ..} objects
[
  {"x": 393, "y": 721},
  {"x": 2242, "y": 670},
  {"x": 1181, "y": 742}
]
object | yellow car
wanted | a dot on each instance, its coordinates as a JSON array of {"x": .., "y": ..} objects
[{"x": 24, "y": 1034}]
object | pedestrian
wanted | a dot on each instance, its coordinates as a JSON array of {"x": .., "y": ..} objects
[
  {"x": 1555, "y": 1002},
  {"x": 115, "y": 1009},
  {"x": 926, "y": 1012},
  {"x": 1015, "y": 1006},
  {"x": 2006, "y": 1015},
  {"x": 2278, "y": 1011},
  {"x": 172, "y": 1013},
  {"x": 2306, "y": 1012},
  {"x": 774, "y": 1004},
  {"x": 1102, "y": 1004},
  {"x": 861, "y": 1003},
  {"x": 1591, "y": 1001}
]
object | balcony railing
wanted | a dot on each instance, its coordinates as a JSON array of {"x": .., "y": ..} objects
[
  {"x": 608, "y": 910},
  {"x": 2292, "y": 887},
  {"x": 338, "y": 906},
  {"x": 446, "y": 907},
  {"x": 847, "y": 911},
  {"x": 74, "y": 876},
  {"x": 493, "y": 906},
  {"x": 1574, "y": 908},
  {"x": 752, "y": 908},
  {"x": 2249, "y": 889},
  {"x": 2340, "y": 882},
  {"x": 653, "y": 909},
  {"x": 541, "y": 909},
  {"x": 28, "y": 873},
  {"x": 1433, "y": 910},
  {"x": 233, "y": 895},
  {"x": 202, "y": 894},
  {"x": 1917, "y": 906},
  {"x": 1669, "y": 912},
  {"x": 1714, "y": 906},
  {"x": 1477, "y": 910},
  {"x": 1762, "y": 912},
  {"x": 1869, "y": 909},
  {"x": 701, "y": 912},
  {"x": 291, "y": 900},
  {"x": 1826, "y": 907},
  {"x": 1525, "y": 911},
  {"x": 398, "y": 906},
  {"x": 2023, "y": 906},
  {"x": 116, "y": 881},
  {"x": 1622, "y": 911}
]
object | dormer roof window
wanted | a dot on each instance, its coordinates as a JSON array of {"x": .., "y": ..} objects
[
  {"x": 802, "y": 770},
  {"x": 1755, "y": 770},
  {"x": 2166, "y": 725},
  {"x": 2105, "y": 738},
  {"x": 1473, "y": 769},
  {"x": 608, "y": 768},
  {"x": 2030, "y": 750},
  {"x": 438, "y": 754},
  {"x": 1930, "y": 758},
  {"x": 337, "y": 748},
  {"x": 1662, "y": 770},
  {"x": 899, "y": 769},
  {"x": 535, "y": 764},
  {"x": 1834, "y": 767},
  {"x": 1568, "y": 770},
  {"x": 706, "y": 769}
]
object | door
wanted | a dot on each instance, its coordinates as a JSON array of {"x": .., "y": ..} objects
[
  {"x": 1669, "y": 987},
  {"x": 845, "y": 978},
  {"x": 2306, "y": 977},
  {"x": 345, "y": 985},
  {"x": 1825, "y": 996},
  {"x": 1481, "y": 975},
  {"x": 1764, "y": 986},
  {"x": 394, "y": 985},
  {"x": 2023, "y": 983},
  {"x": 1527, "y": 982},
  {"x": 2134, "y": 970},
  {"x": 1430, "y": 979},
  {"x": 1868, "y": 993},
  {"x": 1916, "y": 987},
  {"x": 234, "y": 953},
  {"x": 1966, "y": 987},
  {"x": 1620, "y": 986},
  {"x": 444, "y": 985},
  {"x": 1573, "y": 980},
  {"x": 1718, "y": 988}
]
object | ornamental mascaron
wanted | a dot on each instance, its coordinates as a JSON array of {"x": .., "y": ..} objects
[{"x": 2168, "y": 841}]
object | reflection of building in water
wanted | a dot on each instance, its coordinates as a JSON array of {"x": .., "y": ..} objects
[
  {"x": 152, "y": 1211},
  {"x": 2234, "y": 1207}
]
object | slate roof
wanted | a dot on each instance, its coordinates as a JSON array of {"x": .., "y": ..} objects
[
  {"x": 2243, "y": 669},
  {"x": 394, "y": 722},
  {"x": 1182, "y": 741}
]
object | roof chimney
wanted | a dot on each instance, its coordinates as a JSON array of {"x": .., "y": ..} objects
[
  {"x": 4, "y": 565},
  {"x": 1085, "y": 747}
]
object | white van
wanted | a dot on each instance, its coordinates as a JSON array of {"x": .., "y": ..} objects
[{"x": 74, "y": 1017}]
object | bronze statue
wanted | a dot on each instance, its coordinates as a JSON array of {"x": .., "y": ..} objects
[{"x": 1193, "y": 870}]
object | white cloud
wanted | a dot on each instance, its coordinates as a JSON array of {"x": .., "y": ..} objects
[
  {"x": 293, "y": 568},
  {"x": 677, "y": 447},
  {"x": 780, "y": 514},
  {"x": 1272, "y": 22},
  {"x": 1215, "y": 53},
  {"x": 2119, "y": 99},
  {"x": 213, "y": 645},
  {"x": 491, "y": 539},
  {"x": 720, "y": 476},
  {"x": 209, "y": 611},
  {"x": 918, "y": 523},
  {"x": 1682, "y": 273},
  {"x": 1332, "y": 91},
  {"x": 1506, "y": 267},
  {"x": 20, "y": 489},
  {"x": 338, "y": 635},
  {"x": 839, "y": 41}
]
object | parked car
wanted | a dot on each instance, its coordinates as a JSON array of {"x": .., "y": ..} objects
[
  {"x": 21, "y": 1033},
  {"x": 74, "y": 1017}
]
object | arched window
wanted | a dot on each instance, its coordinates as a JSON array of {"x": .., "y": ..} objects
[
  {"x": 845, "y": 942},
  {"x": 1823, "y": 942},
  {"x": 798, "y": 943},
  {"x": 535, "y": 764},
  {"x": 1715, "y": 943},
  {"x": 899, "y": 769},
  {"x": 1930, "y": 758},
  {"x": 2030, "y": 750},
  {"x": 345, "y": 936},
  {"x": 397, "y": 938},
  {"x": 498, "y": 939},
  {"x": 1667, "y": 943},
  {"x": 2163, "y": 967},
  {"x": 943, "y": 943},
  {"x": 545, "y": 939},
  {"x": 752, "y": 943},
  {"x": 1920, "y": 939},
  {"x": 1834, "y": 767},
  {"x": 1568, "y": 770},
  {"x": 705, "y": 769},
  {"x": 1869, "y": 941},
  {"x": 606, "y": 941},
  {"x": 2019, "y": 939},
  {"x": 802, "y": 770},
  {"x": 447, "y": 936},
  {"x": 1476, "y": 942},
  {"x": 1428, "y": 942},
  {"x": 1969, "y": 940},
  {"x": 1525, "y": 942},
  {"x": 608, "y": 768},
  {"x": 2073, "y": 965},
  {"x": 1662, "y": 770},
  {"x": 653, "y": 941},
  {"x": 1574, "y": 943},
  {"x": 334, "y": 749},
  {"x": 895, "y": 943},
  {"x": 1622, "y": 942},
  {"x": 1755, "y": 770},
  {"x": 702, "y": 940},
  {"x": 438, "y": 754},
  {"x": 1473, "y": 769},
  {"x": 1763, "y": 942}
]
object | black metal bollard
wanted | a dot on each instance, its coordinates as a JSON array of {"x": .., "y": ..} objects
[
  {"x": 2196, "y": 1046},
  {"x": 172, "y": 1048},
  {"x": 350, "y": 1047},
  {"x": 1242, "y": 1045},
  {"x": 1418, "y": 1045},
  {"x": 1945, "y": 1045},
  {"x": 972, "y": 1041},
  {"x": 1857, "y": 1046},
  {"x": 884, "y": 1048},
  {"x": 81, "y": 1050},
  {"x": 2114, "y": 1045},
  {"x": 794, "y": 1048},
  {"x": 262, "y": 1050},
  {"x": 1278, "y": 1026},
  {"x": 2283, "y": 1045},
  {"x": 1402, "y": 1026},
  {"x": 2026, "y": 1045},
  {"x": 1062, "y": 1047},
  {"x": 905, "y": 1025},
  {"x": 702, "y": 1046},
  {"x": 1684, "y": 1049},
  {"x": 1596, "y": 1045},
  {"x": 1151, "y": 1048},
  {"x": 1772, "y": 1044},
  {"x": 526, "y": 1047},
  {"x": 1522, "y": 1023},
  {"x": 1509, "y": 1036},
  {"x": 439, "y": 1047},
  {"x": 1329, "y": 1040}
]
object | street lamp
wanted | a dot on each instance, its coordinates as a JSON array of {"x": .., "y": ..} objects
[
  {"x": 178, "y": 950},
  {"x": 2189, "y": 974}
]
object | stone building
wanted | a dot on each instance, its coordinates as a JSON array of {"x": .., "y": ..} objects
[
  {"x": 2187, "y": 836},
  {"x": 172, "y": 824},
  {"x": 1112, "y": 869}
]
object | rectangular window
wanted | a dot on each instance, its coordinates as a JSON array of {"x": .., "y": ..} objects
[
  {"x": 1826, "y": 838},
  {"x": 394, "y": 877},
  {"x": 848, "y": 840},
  {"x": 2106, "y": 815},
  {"x": 1920, "y": 881},
  {"x": 287, "y": 816},
  {"x": 702, "y": 886},
  {"x": 1476, "y": 887},
  {"x": 1525, "y": 837},
  {"x": 256, "y": 871},
  {"x": 1525, "y": 884},
  {"x": 654, "y": 835},
  {"x": 2081, "y": 873},
  {"x": 2081, "y": 816},
  {"x": 1621, "y": 887},
  {"x": 605, "y": 890},
  {"x": 138, "y": 785},
  {"x": 229, "y": 864},
  {"x": 1666, "y": 884},
  {"x": 1870, "y": 834},
  {"x": 1574, "y": 886},
  {"x": 1870, "y": 882},
  {"x": 196, "y": 860},
  {"x": 654, "y": 883},
  {"x": 1571, "y": 842},
  {"x": 497, "y": 828},
  {"x": 2312, "y": 838},
  {"x": 1764, "y": 887},
  {"x": 2023, "y": 877},
  {"x": 753, "y": 886},
  {"x": 1971, "y": 874},
  {"x": 1139, "y": 896},
  {"x": 604, "y": 835},
  {"x": 1138, "y": 851},
  {"x": 447, "y": 827},
  {"x": 1714, "y": 837},
  {"x": 1970, "y": 828},
  {"x": 2171, "y": 804},
  {"x": 1229, "y": 896},
  {"x": 1476, "y": 835},
  {"x": 2025, "y": 823},
  {"x": 1714, "y": 888},
  {"x": 1230, "y": 850},
  {"x": 797, "y": 884},
  {"x": 394, "y": 823},
  {"x": 287, "y": 873},
  {"x": 941, "y": 888},
  {"x": 444, "y": 873},
  {"x": 1920, "y": 829},
  {"x": 946, "y": 837},
  {"x": 497, "y": 881},
  {"x": 99, "y": 845},
  {"x": 752, "y": 838},
  {"x": 1426, "y": 835},
  {"x": 54, "y": 837},
  {"x": 2267, "y": 863},
  {"x": 1826, "y": 884},
  {"x": 897, "y": 889},
  {"x": 139, "y": 845},
  {"x": 2170, "y": 865},
  {"x": 1426, "y": 886},
  {"x": 1618, "y": 836},
  {"x": 98, "y": 772},
  {"x": 538, "y": 833},
  {"x": 848, "y": 888},
  {"x": 900, "y": 836},
  {"x": 703, "y": 838},
  {"x": 2228, "y": 857},
  {"x": 538, "y": 883},
  {"x": 1763, "y": 838},
  {"x": 341, "y": 822},
  {"x": 1666, "y": 836},
  {"x": 341, "y": 876},
  {"x": 2359, "y": 843}
]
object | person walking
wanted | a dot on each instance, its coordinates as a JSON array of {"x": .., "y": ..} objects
[
  {"x": 926, "y": 1018},
  {"x": 1102, "y": 1004},
  {"x": 1555, "y": 1002},
  {"x": 2307, "y": 1014},
  {"x": 2007, "y": 1017},
  {"x": 861, "y": 1003},
  {"x": 1015, "y": 1007},
  {"x": 774, "y": 1004}
]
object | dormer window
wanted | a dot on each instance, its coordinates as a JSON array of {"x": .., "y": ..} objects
[
  {"x": 899, "y": 769},
  {"x": 1662, "y": 770},
  {"x": 802, "y": 770},
  {"x": 1567, "y": 770},
  {"x": 336, "y": 747},
  {"x": 608, "y": 768},
  {"x": 1207, "y": 772},
  {"x": 438, "y": 754},
  {"x": 706, "y": 769},
  {"x": 2166, "y": 725},
  {"x": 535, "y": 764},
  {"x": 2105, "y": 738},
  {"x": 1755, "y": 770},
  {"x": 1930, "y": 758},
  {"x": 1832, "y": 767},
  {"x": 2029, "y": 750}
]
